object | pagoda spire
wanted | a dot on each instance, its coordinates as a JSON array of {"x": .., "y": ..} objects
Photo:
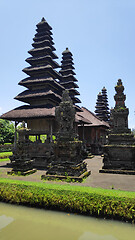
[
  {"x": 120, "y": 111},
  {"x": 100, "y": 107},
  {"x": 43, "y": 19},
  {"x": 42, "y": 85},
  {"x": 105, "y": 100},
  {"x": 68, "y": 81}
]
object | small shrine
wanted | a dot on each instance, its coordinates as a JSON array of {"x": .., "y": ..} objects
[
  {"x": 21, "y": 161},
  {"x": 119, "y": 154},
  {"x": 68, "y": 150}
]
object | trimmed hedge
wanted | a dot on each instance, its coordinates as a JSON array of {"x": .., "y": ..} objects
[
  {"x": 70, "y": 199},
  {"x": 6, "y": 147}
]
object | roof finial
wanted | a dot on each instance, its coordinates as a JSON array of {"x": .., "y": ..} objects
[{"x": 43, "y": 20}]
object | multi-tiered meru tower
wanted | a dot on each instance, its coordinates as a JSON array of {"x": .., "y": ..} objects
[
  {"x": 68, "y": 80},
  {"x": 43, "y": 89},
  {"x": 100, "y": 107},
  {"x": 43, "y": 92},
  {"x": 42, "y": 95},
  {"x": 105, "y": 100}
]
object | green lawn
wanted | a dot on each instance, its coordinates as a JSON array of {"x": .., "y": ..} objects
[
  {"x": 4, "y": 159},
  {"x": 5, "y": 155},
  {"x": 44, "y": 185}
]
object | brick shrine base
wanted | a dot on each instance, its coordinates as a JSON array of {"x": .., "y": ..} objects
[{"x": 96, "y": 179}]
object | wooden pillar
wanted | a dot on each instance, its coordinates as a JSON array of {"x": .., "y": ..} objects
[
  {"x": 76, "y": 128},
  {"x": 83, "y": 133},
  {"x": 15, "y": 136},
  {"x": 51, "y": 131},
  {"x": 96, "y": 135}
]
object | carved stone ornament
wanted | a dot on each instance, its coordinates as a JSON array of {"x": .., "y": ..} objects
[{"x": 65, "y": 116}]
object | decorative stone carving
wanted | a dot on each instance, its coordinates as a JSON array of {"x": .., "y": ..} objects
[
  {"x": 120, "y": 111},
  {"x": 65, "y": 116}
]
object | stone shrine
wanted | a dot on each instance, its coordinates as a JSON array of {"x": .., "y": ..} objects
[
  {"x": 119, "y": 154},
  {"x": 68, "y": 150},
  {"x": 21, "y": 161}
]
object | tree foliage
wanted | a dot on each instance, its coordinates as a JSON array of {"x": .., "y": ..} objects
[{"x": 7, "y": 130}]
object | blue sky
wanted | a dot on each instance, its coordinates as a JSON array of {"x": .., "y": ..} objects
[{"x": 99, "y": 33}]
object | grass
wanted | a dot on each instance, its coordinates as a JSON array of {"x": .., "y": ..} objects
[
  {"x": 4, "y": 155},
  {"x": 4, "y": 159},
  {"x": 83, "y": 200}
]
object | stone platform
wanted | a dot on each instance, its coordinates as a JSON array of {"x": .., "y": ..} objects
[
  {"x": 20, "y": 173},
  {"x": 66, "y": 178},
  {"x": 127, "y": 172}
]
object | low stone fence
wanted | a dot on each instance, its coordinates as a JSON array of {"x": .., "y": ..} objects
[{"x": 6, "y": 148}]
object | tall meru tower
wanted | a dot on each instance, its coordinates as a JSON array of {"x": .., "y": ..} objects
[
  {"x": 68, "y": 80},
  {"x": 43, "y": 91}
]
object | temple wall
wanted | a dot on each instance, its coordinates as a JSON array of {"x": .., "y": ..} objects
[
  {"x": 38, "y": 124},
  {"x": 91, "y": 134}
]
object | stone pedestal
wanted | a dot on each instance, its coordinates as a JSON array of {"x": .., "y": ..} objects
[
  {"x": 68, "y": 159},
  {"x": 119, "y": 154}
]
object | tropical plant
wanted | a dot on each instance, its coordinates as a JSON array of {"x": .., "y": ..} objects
[{"x": 7, "y": 130}]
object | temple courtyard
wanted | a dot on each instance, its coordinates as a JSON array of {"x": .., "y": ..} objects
[{"x": 96, "y": 179}]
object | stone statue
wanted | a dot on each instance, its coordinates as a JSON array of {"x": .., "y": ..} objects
[{"x": 65, "y": 116}]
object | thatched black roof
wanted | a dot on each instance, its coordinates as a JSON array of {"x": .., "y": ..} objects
[
  {"x": 29, "y": 112},
  {"x": 43, "y": 81},
  {"x": 95, "y": 121},
  {"x": 35, "y": 112},
  {"x": 47, "y": 59},
  {"x": 42, "y": 94}
]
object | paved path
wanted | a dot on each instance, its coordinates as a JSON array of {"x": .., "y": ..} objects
[
  {"x": 106, "y": 180},
  {"x": 96, "y": 179}
]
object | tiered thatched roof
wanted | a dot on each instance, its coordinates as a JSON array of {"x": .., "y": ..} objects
[
  {"x": 68, "y": 80},
  {"x": 43, "y": 91}
]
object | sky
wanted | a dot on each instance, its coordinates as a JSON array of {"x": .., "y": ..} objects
[{"x": 99, "y": 33}]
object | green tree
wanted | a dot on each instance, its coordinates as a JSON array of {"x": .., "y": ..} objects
[{"x": 7, "y": 130}]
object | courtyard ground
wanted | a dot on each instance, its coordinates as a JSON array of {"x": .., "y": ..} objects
[{"x": 96, "y": 179}]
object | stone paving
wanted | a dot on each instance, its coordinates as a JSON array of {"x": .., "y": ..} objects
[{"x": 96, "y": 179}]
